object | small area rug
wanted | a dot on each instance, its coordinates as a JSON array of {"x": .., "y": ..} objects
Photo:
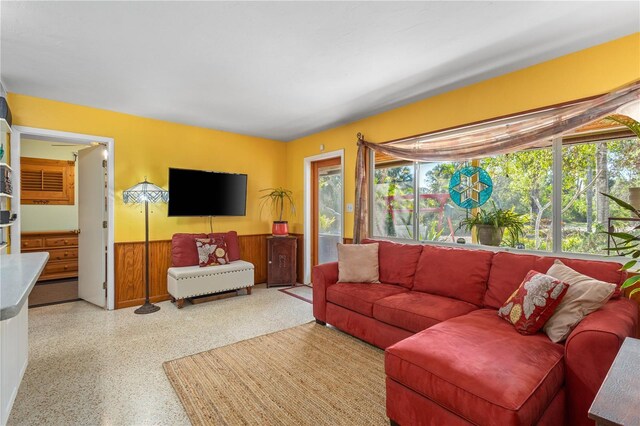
[{"x": 305, "y": 375}]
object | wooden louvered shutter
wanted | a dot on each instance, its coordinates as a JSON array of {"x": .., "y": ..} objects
[{"x": 49, "y": 182}]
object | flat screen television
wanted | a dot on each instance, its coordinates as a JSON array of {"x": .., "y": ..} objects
[{"x": 204, "y": 193}]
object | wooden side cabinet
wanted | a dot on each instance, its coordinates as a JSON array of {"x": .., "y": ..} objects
[{"x": 281, "y": 261}]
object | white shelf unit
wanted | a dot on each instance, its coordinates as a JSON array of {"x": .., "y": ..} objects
[
  {"x": 5, "y": 131},
  {"x": 4, "y": 126}
]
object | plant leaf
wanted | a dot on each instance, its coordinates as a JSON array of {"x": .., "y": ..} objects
[
  {"x": 621, "y": 248},
  {"x": 630, "y": 281},
  {"x": 624, "y": 236},
  {"x": 623, "y": 204},
  {"x": 634, "y": 291},
  {"x": 629, "y": 265}
]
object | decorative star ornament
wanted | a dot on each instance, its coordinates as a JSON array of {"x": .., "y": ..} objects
[{"x": 470, "y": 187}]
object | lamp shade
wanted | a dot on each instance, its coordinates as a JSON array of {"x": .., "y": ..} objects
[{"x": 145, "y": 191}]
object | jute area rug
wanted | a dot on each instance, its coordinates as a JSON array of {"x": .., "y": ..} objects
[{"x": 306, "y": 375}]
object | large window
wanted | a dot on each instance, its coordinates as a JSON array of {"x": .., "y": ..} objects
[
  {"x": 523, "y": 182},
  {"x": 394, "y": 199},
  {"x": 589, "y": 170}
]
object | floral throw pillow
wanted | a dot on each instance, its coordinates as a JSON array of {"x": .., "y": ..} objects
[
  {"x": 533, "y": 303},
  {"x": 212, "y": 251}
]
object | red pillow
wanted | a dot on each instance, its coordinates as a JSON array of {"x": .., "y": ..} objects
[
  {"x": 185, "y": 253},
  {"x": 212, "y": 251},
  {"x": 231, "y": 238},
  {"x": 183, "y": 249},
  {"x": 533, "y": 303}
]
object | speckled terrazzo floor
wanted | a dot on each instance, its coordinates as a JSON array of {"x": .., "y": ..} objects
[{"x": 93, "y": 367}]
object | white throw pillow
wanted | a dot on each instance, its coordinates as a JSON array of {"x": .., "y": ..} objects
[
  {"x": 584, "y": 296},
  {"x": 358, "y": 263}
]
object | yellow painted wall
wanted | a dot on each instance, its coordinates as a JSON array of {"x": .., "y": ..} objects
[
  {"x": 147, "y": 147},
  {"x": 585, "y": 73}
]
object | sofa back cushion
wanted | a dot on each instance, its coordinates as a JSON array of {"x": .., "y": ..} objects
[
  {"x": 507, "y": 272},
  {"x": 509, "y": 269},
  {"x": 452, "y": 272},
  {"x": 185, "y": 253},
  {"x": 600, "y": 270},
  {"x": 397, "y": 262}
]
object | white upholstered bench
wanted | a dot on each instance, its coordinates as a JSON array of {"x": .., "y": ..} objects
[{"x": 190, "y": 281}]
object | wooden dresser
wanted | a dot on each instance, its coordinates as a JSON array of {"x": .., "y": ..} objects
[
  {"x": 281, "y": 261},
  {"x": 62, "y": 247}
]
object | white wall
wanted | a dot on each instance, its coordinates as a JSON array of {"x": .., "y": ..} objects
[{"x": 49, "y": 218}]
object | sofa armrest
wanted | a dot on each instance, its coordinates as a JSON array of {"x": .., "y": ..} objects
[
  {"x": 322, "y": 277},
  {"x": 590, "y": 350}
]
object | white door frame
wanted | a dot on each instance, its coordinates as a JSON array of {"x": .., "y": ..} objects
[
  {"x": 20, "y": 132},
  {"x": 307, "y": 205}
]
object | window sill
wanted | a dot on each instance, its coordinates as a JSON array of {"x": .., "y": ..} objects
[{"x": 567, "y": 255}]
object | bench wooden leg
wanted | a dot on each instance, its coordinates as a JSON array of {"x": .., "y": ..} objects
[
  {"x": 249, "y": 290},
  {"x": 180, "y": 303}
]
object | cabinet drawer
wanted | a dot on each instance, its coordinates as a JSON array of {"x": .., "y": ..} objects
[
  {"x": 61, "y": 241},
  {"x": 60, "y": 267},
  {"x": 63, "y": 254},
  {"x": 32, "y": 243}
]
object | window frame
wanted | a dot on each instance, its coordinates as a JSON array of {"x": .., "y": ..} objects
[{"x": 556, "y": 250}]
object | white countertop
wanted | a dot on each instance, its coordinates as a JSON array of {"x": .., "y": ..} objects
[{"x": 18, "y": 275}]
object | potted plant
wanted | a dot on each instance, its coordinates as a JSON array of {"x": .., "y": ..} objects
[
  {"x": 490, "y": 225},
  {"x": 628, "y": 243},
  {"x": 276, "y": 199}
]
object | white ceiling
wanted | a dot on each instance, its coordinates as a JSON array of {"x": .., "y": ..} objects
[{"x": 282, "y": 70}]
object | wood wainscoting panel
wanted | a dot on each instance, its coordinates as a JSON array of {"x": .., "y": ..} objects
[
  {"x": 129, "y": 267},
  {"x": 253, "y": 248},
  {"x": 129, "y": 273},
  {"x": 160, "y": 261},
  {"x": 299, "y": 257}
]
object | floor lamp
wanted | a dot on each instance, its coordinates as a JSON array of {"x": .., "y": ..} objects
[{"x": 145, "y": 192}]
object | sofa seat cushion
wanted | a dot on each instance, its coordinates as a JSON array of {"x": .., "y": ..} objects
[
  {"x": 479, "y": 367},
  {"x": 360, "y": 297},
  {"x": 415, "y": 311}
]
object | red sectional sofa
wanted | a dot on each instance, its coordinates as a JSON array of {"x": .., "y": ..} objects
[{"x": 450, "y": 360}]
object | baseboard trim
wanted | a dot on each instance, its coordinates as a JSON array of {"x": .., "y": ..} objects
[{"x": 138, "y": 302}]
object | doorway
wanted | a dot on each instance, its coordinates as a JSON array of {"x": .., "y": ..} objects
[
  {"x": 81, "y": 246},
  {"x": 324, "y": 209}
]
